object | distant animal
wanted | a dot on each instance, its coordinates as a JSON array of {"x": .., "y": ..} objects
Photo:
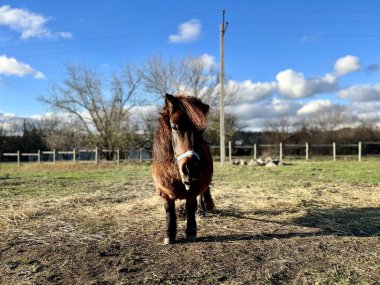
[{"x": 182, "y": 161}]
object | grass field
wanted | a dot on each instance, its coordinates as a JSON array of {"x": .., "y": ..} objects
[{"x": 306, "y": 223}]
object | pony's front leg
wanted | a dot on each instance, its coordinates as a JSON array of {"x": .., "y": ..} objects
[
  {"x": 191, "y": 228},
  {"x": 171, "y": 221}
]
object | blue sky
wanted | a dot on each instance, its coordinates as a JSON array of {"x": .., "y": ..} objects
[{"x": 287, "y": 58}]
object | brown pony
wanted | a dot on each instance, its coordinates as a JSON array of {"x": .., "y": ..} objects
[{"x": 182, "y": 161}]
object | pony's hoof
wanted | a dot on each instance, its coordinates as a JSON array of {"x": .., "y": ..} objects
[
  {"x": 191, "y": 238},
  {"x": 169, "y": 240}
]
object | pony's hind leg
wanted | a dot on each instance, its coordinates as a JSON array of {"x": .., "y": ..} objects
[
  {"x": 191, "y": 227},
  {"x": 171, "y": 221},
  {"x": 208, "y": 201},
  {"x": 201, "y": 205},
  {"x": 205, "y": 202}
]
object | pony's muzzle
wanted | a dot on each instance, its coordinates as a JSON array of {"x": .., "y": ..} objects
[
  {"x": 190, "y": 172},
  {"x": 190, "y": 183}
]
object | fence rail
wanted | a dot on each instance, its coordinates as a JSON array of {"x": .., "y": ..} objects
[
  {"x": 285, "y": 150},
  {"x": 94, "y": 155},
  {"x": 76, "y": 156}
]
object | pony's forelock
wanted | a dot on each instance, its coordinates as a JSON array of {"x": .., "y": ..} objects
[{"x": 196, "y": 111}]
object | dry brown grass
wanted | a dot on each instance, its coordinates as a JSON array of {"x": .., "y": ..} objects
[{"x": 88, "y": 225}]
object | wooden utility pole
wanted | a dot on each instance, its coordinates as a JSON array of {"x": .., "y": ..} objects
[
  {"x": 334, "y": 151},
  {"x": 223, "y": 28}
]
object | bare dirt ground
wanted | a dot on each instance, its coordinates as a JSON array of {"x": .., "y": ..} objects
[{"x": 87, "y": 225}]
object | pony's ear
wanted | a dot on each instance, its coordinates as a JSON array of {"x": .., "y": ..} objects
[
  {"x": 205, "y": 108},
  {"x": 170, "y": 102}
]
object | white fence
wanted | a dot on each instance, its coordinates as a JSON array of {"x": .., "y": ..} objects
[
  {"x": 94, "y": 155},
  {"x": 282, "y": 150},
  {"x": 76, "y": 156}
]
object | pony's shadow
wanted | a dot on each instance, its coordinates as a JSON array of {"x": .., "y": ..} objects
[{"x": 357, "y": 222}]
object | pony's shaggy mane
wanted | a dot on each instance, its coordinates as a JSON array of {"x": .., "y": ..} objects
[{"x": 195, "y": 110}]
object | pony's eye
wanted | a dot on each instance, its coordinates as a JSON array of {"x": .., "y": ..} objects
[{"x": 174, "y": 128}]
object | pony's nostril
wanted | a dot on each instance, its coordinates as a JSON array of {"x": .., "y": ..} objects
[{"x": 185, "y": 170}]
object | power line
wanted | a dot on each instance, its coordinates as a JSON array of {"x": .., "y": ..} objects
[
  {"x": 159, "y": 19},
  {"x": 90, "y": 39},
  {"x": 76, "y": 41},
  {"x": 92, "y": 49},
  {"x": 98, "y": 48},
  {"x": 305, "y": 22},
  {"x": 304, "y": 34},
  {"x": 310, "y": 11}
]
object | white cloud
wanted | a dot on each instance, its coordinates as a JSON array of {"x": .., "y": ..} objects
[
  {"x": 248, "y": 91},
  {"x": 187, "y": 32},
  {"x": 347, "y": 64},
  {"x": 7, "y": 120},
  {"x": 9, "y": 66},
  {"x": 141, "y": 111},
  {"x": 366, "y": 111},
  {"x": 205, "y": 61},
  {"x": 273, "y": 109},
  {"x": 294, "y": 85},
  {"x": 29, "y": 24},
  {"x": 208, "y": 60},
  {"x": 365, "y": 107},
  {"x": 6, "y": 115},
  {"x": 255, "y": 103},
  {"x": 46, "y": 116},
  {"x": 361, "y": 93},
  {"x": 254, "y": 116},
  {"x": 314, "y": 107}
]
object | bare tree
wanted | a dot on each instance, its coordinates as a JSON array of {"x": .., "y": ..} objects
[
  {"x": 98, "y": 106},
  {"x": 190, "y": 75},
  {"x": 328, "y": 121},
  {"x": 162, "y": 77},
  {"x": 212, "y": 134},
  {"x": 277, "y": 130},
  {"x": 202, "y": 80}
]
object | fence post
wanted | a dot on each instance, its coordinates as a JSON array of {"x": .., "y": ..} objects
[
  {"x": 118, "y": 156},
  {"x": 307, "y": 151},
  {"x": 39, "y": 156},
  {"x": 255, "y": 152},
  {"x": 280, "y": 151},
  {"x": 140, "y": 154},
  {"x": 360, "y": 151},
  {"x": 96, "y": 155},
  {"x": 18, "y": 158},
  {"x": 54, "y": 156},
  {"x": 74, "y": 156},
  {"x": 230, "y": 151},
  {"x": 334, "y": 151}
]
